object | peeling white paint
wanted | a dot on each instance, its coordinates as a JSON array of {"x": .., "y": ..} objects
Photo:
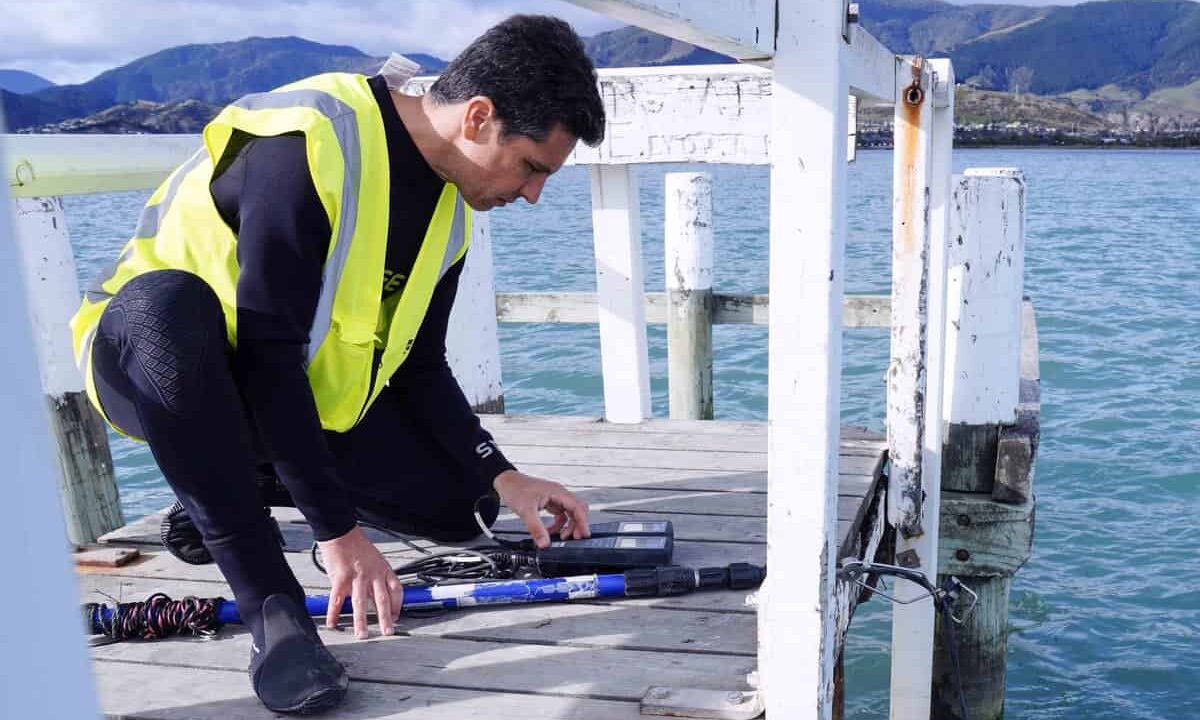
[{"x": 48, "y": 269}]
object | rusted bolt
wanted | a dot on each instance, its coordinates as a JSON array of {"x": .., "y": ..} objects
[
  {"x": 962, "y": 555},
  {"x": 964, "y": 520},
  {"x": 914, "y": 95}
]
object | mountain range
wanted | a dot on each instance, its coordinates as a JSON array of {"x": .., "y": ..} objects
[{"x": 1114, "y": 59}]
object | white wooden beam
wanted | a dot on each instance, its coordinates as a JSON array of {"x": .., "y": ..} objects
[
  {"x": 53, "y": 676},
  {"x": 616, "y": 224},
  {"x": 707, "y": 113},
  {"x": 48, "y": 165},
  {"x": 796, "y": 627},
  {"x": 870, "y": 67},
  {"x": 742, "y": 29},
  {"x": 921, "y": 175},
  {"x": 858, "y": 311}
]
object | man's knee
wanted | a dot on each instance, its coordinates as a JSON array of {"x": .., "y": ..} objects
[{"x": 171, "y": 324}]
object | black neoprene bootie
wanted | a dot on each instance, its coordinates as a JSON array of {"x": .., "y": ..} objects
[
  {"x": 293, "y": 672},
  {"x": 181, "y": 537}
]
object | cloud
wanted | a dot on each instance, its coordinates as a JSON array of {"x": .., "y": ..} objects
[{"x": 71, "y": 41}]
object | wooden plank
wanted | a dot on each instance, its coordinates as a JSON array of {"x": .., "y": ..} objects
[
  {"x": 870, "y": 67},
  {"x": 49, "y": 165},
  {"x": 590, "y": 672},
  {"x": 598, "y": 436},
  {"x": 152, "y": 692},
  {"x": 742, "y": 29},
  {"x": 654, "y": 426},
  {"x": 858, "y": 311},
  {"x": 665, "y": 459},
  {"x": 105, "y": 557}
]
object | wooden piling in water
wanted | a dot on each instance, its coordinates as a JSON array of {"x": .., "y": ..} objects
[
  {"x": 87, "y": 486},
  {"x": 689, "y": 260},
  {"x": 991, "y": 408}
]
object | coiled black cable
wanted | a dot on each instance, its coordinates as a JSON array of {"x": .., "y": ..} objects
[{"x": 158, "y": 616}]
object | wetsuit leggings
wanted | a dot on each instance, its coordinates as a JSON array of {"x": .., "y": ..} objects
[{"x": 162, "y": 368}]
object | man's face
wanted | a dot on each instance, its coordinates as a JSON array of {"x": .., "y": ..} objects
[{"x": 501, "y": 169}]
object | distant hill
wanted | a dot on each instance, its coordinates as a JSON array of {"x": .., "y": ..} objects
[
  {"x": 1134, "y": 64},
  {"x": 20, "y": 82},
  {"x": 214, "y": 74},
  {"x": 1140, "y": 44},
  {"x": 142, "y": 116}
]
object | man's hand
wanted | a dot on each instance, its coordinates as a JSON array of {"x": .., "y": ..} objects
[
  {"x": 357, "y": 569},
  {"x": 527, "y": 496}
]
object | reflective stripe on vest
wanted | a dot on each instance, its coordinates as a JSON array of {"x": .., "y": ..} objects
[{"x": 340, "y": 320}]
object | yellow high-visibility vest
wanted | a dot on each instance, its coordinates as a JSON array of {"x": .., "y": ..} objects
[{"x": 181, "y": 229}]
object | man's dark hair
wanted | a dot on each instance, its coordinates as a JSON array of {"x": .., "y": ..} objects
[{"x": 537, "y": 74}]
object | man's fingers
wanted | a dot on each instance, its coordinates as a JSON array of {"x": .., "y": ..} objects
[
  {"x": 560, "y": 519},
  {"x": 383, "y": 606},
  {"x": 359, "y": 599},
  {"x": 533, "y": 523},
  {"x": 577, "y": 510},
  {"x": 397, "y": 590},
  {"x": 337, "y": 596}
]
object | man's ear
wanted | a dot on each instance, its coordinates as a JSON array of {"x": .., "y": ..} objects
[{"x": 479, "y": 119}]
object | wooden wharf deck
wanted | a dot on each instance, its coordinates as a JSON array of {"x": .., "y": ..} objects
[{"x": 582, "y": 660}]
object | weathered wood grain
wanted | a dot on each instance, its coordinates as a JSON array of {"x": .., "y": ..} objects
[
  {"x": 983, "y": 537},
  {"x": 858, "y": 311},
  {"x": 151, "y": 692},
  {"x": 592, "y": 672}
]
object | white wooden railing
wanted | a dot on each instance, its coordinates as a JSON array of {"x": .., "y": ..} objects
[{"x": 794, "y": 118}]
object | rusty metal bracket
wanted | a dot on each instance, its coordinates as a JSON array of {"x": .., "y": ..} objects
[{"x": 914, "y": 94}]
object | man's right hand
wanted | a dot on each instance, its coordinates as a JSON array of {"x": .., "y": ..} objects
[{"x": 357, "y": 569}]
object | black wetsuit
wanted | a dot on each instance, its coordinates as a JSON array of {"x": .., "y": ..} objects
[{"x": 164, "y": 372}]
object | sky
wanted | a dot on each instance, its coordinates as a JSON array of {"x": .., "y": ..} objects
[{"x": 71, "y": 41}]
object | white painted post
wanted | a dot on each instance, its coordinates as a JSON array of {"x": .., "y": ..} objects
[
  {"x": 920, "y": 180},
  {"x": 796, "y": 624},
  {"x": 86, "y": 483},
  {"x": 986, "y": 284},
  {"x": 51, "y": 677},
  {"x": 688, "y": 247},
  {"x": 617, "y": 236},
  {"x": 472, "y": 342},
  {"x": 988, "y": 429}
]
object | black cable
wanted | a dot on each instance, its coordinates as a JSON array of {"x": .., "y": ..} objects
[
  {"x": 503, "y": 561},
  {"x": 943, "y": 598},
  {"x": 158, "y": 616}
]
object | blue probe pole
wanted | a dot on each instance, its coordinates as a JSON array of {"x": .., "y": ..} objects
[{"x": 502, "y": 592}]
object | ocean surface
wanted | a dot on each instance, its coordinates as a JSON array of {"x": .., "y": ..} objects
[{"x": 1105, "y": 617}]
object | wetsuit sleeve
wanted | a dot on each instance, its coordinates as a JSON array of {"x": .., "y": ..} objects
[
  {"x": 267, "y": 196},
  {"x": 429, "y": 391}
]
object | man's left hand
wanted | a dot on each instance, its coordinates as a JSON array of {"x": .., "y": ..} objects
[{"x": 527, "y": 496}]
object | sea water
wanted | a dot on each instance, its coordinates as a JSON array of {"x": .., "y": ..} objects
[{"x": 1105, "y": 617}]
